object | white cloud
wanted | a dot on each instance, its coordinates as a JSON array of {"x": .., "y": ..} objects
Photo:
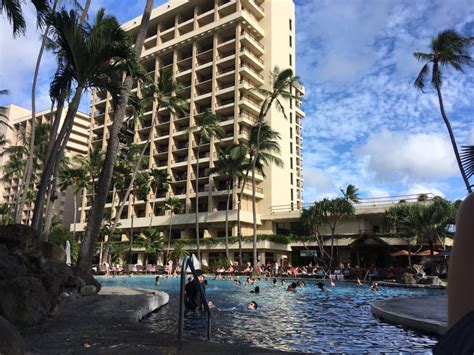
[{"x": 395, "y": 156}]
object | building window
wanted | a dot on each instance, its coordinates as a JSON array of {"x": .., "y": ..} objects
[
  {"x": 291, "y": 60},
  {"x": 291, "y": 191},
  {"x": 291, "y": 132},
  {"x": 291, "y": 165},
  {"x": 291, "y": 25},
  {"x": 291, "y": 117},
  {"x": 291, "y": 41},
  {"x": 291, "y": 147},
  {"x": 291, "y": 103},
  {"x": 291, "y": 178}
]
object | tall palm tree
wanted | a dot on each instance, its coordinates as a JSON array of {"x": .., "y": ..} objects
[
  {"x": 14, "y": 12},
  {"x": 231, "y": 164},
  {"x": 396, "y": 217},
  {"x": 29, "y": 165},
  {"x": 208, "y": 127},
  {"x": 13, "y": 169},
  {"x": 103, "y": 185},
  {"x": 166, "y": 91},
  {"x": 160, "y": 181},
  {"x": 105, "y": 51},
  {"x": 76, "y": 179},
  {"x": 467, "y": 159},
  {"x": 283, "y": 83},
  {"x": 173, "y": 205},
  {"x": 92, "y": 164},
  {"x": 351, "y": 193},
  {"x": 264, "y": 150},
  {"x": 448, "y": 49}
]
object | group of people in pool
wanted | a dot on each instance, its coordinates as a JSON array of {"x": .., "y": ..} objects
[{"x": 193, "y": 290}]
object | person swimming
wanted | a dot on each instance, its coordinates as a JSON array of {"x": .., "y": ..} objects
[
  {"x": 292, "y": 287},
  {"x": 275, "y": 282},
  {"x": 301, "y": 283},
  {"x": 257, "y": 290},
  {"x": 237, "y": 282},
  {"x": 332, "y": 283},
  {"x": 374, "y": 287},
  {"x": 252, "y": 306},
  {"x": 321, "y": 286},
  {"x": 157, "y": 280},
  {"x": 359, "y": 283},
  {"x": 283, "y": 282}
]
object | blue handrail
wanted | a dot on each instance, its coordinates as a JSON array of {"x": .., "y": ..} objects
[{"x": 188, "y": 262}]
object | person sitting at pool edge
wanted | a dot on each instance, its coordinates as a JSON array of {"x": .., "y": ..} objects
[
  {"x": 252, "y": 306},
  {"x": 257, "y": 290}
]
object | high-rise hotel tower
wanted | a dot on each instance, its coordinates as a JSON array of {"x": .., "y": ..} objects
[{"x": 215, "y": 49}]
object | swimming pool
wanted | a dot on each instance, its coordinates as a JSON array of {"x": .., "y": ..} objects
[{"x": 306, "y": 321}]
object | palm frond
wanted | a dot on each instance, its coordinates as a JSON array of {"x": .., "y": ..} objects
[
  {"x": 421, "y": 78},
  {"x": 467, "y": 159}
]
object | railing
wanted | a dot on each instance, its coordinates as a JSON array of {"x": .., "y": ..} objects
[{"x": 188, "y": 262}]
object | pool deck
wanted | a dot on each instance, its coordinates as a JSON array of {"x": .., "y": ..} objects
[
  {"x": 109, "y": 323},
  {"x": 428, "y": 314}
]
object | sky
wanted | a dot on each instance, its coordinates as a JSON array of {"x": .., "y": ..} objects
[{"x": 365, "y": 122}]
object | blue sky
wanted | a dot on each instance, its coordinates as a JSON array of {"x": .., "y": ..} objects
[{"x": 365, "y": 123}]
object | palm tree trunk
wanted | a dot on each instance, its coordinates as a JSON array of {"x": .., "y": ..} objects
[
  {"x": 409, "y": 254},
  {"x": 169, "y": 238},
  {"x": 227, "y": 222},
  {"x": 108, "y": 242},
  {"x": 85, "y": 10},
  {"x": 103, "y": 186},
  {"x": 52, "y": 158},
  {"x": 332, "y": 248},
  {"x": 75, "y": 213},
  {"x": 453, "y": 140},
  {"x": 198, "y": 249},
  {"x": 153, "y": 207},
  {"x": 254, "y": 213},
  {"x": 29, "y": 164},
  {"x": 134, "y": 175}
]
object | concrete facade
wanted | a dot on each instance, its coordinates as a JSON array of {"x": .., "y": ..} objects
[
  {"x": 215, "y": 49},
  {"x": 17, "y": 123}
]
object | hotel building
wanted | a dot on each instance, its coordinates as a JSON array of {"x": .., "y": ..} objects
[
  {"x": 17, "y": 123},
  {"x": 215, "y": 49}
]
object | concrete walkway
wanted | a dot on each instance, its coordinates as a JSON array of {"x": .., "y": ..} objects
[
  {"x": 108, "y": 323},
  {"x": 428, "y": 314}
]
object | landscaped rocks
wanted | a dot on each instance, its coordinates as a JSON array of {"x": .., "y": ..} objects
[
  {"x": 431, "y": 280},
  {"x": 408, "y": 279},
  {"x": 33, "y": 275},
  {"x": 24, "y": 302},
  {"x": 11, "y": 342},
  {"x": 88, "y": 290}
]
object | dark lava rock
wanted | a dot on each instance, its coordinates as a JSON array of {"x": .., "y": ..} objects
[{"x": 11, "y": 342}]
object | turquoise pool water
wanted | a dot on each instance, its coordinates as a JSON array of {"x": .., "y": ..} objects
[{"x": 306, "y": 321}]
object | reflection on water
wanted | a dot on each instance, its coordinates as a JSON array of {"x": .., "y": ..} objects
[{"x": 308, "y": 321}]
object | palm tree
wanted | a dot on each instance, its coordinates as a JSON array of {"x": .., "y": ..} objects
[
  {"x": 430, "y": 222},
  {"x": 467, "y": 159},
  {"x": 160, "y": 181},
  {"x": 351, "y": 193},
  {"x": 166, "y": 91},
  {"x": 105, "y": 51},
  {"x": 396, "y": 217},
  {"x": 14, "y": 12},
  {"x": 179, "y": 252},
  {"x": 448, "y": 49},
  {"x": 264, "y": 149},
  {"x": 173, "y": 205},
  {"x": 332, "y": 213},
  {"x": 5, "y": 214},
  {"x": 29, "y": 165},
  {"x": 92, "y": 164},
  {"x": 103, "y": 185},
  {"x": 152, "y": 241},
  {"x": 76, "y": 179},
  {"x": 208, "y": 127},
  {"x": 283, "y": 82},
  {"x": 230, "y": 164}
]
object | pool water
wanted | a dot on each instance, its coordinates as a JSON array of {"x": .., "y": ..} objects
[{"x": 309, "y": 320}]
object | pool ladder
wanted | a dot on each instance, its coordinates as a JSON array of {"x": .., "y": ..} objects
[{"x": 187, "y": 262}]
